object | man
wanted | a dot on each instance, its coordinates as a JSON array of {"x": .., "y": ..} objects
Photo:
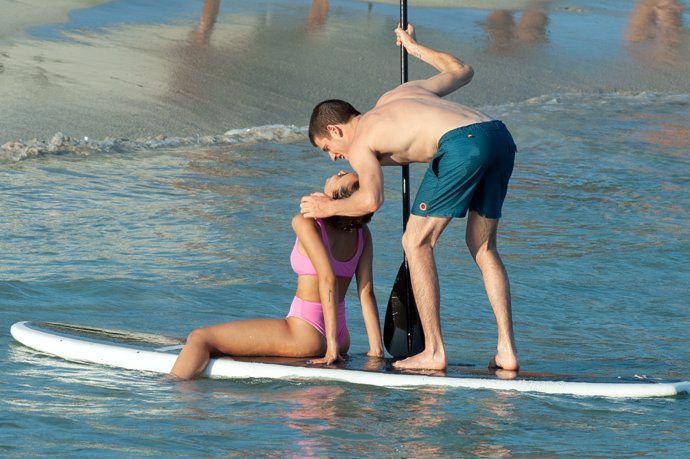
[{"x": 470, "y": 160}]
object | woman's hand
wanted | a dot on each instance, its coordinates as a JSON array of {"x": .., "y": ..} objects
[
  {"x": 329, "y": 359},
  {"x": 375, "y": 353}
]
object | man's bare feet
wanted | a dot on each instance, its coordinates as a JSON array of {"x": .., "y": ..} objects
[
  {"x": 505, "y": 360},
  {"x": 426, "y": 360}
]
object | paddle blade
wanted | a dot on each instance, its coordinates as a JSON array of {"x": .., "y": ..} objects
[{"x": 402, "y": 331}]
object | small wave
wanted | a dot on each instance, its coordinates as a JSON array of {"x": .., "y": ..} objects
[
  {"x": 63, "y": 144},
  {"x": 584, "y": 102},
  {"x": 643, "y": 97}
]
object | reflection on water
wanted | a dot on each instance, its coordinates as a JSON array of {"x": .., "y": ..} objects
[
  {"x": 494, "y": 414},
  {"x": 661, "y": 131},
  {"x": 200, "y": 34},
  {"x": 318, "y": 13},
  {"x": 655, "y": 32},
  {"x": 314, "y": 410},
  {"x": 507, "y": 34}
]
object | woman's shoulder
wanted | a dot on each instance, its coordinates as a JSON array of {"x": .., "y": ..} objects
[{"x": 302, "y": 223}]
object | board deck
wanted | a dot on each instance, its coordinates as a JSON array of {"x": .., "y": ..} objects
[{"x": 157, "y": 353}]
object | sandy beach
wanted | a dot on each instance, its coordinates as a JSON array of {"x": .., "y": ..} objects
[{"x": 106, "y": 69}]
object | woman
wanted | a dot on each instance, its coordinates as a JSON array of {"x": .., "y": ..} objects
[{"x": 326, "y": 255}]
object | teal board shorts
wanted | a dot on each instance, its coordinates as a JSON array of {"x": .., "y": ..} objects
[{"x": 471, "y": 171}]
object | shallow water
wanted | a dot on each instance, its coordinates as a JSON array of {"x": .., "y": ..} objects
[
  {"x": 163, "y": 233},
  {"x": 164, "y": 239}
]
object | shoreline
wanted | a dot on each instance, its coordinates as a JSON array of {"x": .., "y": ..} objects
[{"x": 225, "y": 67}]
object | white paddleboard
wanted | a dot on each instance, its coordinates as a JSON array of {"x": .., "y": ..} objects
[{"x": 156, "y": 353}]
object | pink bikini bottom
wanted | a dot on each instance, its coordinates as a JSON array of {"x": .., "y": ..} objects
[{"x": 312, "y": 313}]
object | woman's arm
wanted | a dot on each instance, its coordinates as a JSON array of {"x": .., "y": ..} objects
[
  {"x": 309, "y": 235},
  {"x": 365, "y": 290}
]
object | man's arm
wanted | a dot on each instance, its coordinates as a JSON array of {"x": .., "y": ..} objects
[
  {"x": 453, "y": 73},
  {"x": 367, "y": 199}
]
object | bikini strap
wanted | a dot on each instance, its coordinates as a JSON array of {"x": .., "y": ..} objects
[
  {"x": 324, "y": 235},
  {"x": 327, "y": 243},
  {"x": 360, "y": 242}
]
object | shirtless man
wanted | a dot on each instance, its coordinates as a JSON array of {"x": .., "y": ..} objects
[{"x": 470, "y": 160}]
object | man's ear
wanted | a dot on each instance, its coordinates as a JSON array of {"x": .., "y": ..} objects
[{"x": 335, "y": 130}]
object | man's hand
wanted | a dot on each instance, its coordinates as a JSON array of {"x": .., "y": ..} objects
[
  {"x": 404, "y": 37},
  {"x": 315, "y": 206}
]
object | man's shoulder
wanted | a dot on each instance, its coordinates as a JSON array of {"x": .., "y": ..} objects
[
  {"x": 392, "y": 95},
  {"x": 413, "y": 88},
  {"x": 370, "y": 126}
]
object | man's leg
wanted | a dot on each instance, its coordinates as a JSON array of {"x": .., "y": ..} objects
[
  {"x": 419, "y": 240},
  {"x": 481, "y": 241}
]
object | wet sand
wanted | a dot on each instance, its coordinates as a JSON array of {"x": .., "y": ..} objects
[{"x": 88, "y": 68}]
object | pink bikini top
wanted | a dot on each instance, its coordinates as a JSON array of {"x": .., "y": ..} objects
[{"x": 303, "y": 266}]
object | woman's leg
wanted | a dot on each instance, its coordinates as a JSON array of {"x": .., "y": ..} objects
[{"x": 291, "y": 337}]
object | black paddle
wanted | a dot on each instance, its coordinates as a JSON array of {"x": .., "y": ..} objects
[{"x": 402, "y": 331}]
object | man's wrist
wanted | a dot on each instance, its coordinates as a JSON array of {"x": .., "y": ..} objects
[
  {"x": 330, "y": 208},
  {"x": 416, "y": 50}
]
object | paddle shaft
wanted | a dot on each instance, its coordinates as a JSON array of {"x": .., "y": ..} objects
[
  {"x": 402, "y": 332},
  {"x": 403, "y": 79},
  {"x": 411, "y": 306}
]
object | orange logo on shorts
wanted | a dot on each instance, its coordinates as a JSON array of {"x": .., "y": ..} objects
[{"x": 422, "y": 206}]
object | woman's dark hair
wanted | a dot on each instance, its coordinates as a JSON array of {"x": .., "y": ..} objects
[{"x": 347, "y": 223}]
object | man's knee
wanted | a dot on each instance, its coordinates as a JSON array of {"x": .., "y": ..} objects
[
  {"x": 480, "y": 235},
  {"x": 413, "y": 241},
  {"x": 408, "y": 242},
  {"x": 480, "y": 253},
  {"x": 422, "y": 233}
]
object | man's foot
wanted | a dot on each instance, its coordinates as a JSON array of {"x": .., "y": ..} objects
[
  {"x": 505, "y": 360},
  {"x": 422, "y": 361}
]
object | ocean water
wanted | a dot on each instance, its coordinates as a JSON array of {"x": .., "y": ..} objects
[
  {"x": 163, "y": 239},
  {"x": 166, "y": 233}
]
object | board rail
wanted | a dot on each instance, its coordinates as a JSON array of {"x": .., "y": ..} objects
[{"x": 86, "y": 348}]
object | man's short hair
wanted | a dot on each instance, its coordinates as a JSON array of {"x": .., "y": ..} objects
[{"x": 332, "y": 111}]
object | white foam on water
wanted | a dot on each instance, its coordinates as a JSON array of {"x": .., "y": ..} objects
[{"x": 61, "y": 144}]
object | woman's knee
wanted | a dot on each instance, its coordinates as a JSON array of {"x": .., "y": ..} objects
[{"x": 198, "y": 337}]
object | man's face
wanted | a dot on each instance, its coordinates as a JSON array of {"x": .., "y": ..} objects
[{"x": 335, "y": 145}]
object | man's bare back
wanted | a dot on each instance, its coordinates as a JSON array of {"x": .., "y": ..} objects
[{"x": 406, "y": 124}]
